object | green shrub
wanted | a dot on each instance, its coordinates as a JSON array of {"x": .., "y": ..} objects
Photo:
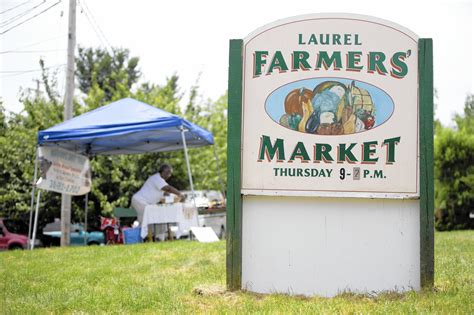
[{"x": 454, "y": 179}]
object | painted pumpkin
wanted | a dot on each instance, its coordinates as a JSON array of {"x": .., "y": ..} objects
[{"x": 295, "y": 99}]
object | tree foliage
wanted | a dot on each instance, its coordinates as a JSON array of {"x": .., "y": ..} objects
[
  {"x": 108, "y": 72},
  {"x": 465, "y": 123},
  {"x": 17, "y": 155},
  {"x": 454, "y": 172}
]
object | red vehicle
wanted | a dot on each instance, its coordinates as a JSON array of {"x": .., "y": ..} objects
[{"x": 9, "y": 239}]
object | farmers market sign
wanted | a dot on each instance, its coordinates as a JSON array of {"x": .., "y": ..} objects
[
  {"x": 330, "y": 105},
  {"x": 330, "y": 108}
]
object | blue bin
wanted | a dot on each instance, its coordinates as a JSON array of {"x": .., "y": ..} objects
[{"x": 132, "y": 236}]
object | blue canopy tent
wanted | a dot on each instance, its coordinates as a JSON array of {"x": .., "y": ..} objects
[{"x": 126, "y": 126}]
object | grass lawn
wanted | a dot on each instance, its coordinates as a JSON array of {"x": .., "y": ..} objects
[{"x": 185, "y": 276}]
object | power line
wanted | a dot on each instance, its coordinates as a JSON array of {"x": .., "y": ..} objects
[
  {"x": 18, "y": 16},
  {"x": 20, "y": 72},
  {"x": 15, "y": 26},
  {"x": 95, "y": 21},
  {"x": 83, "y": 10},
  {"x": 95, "y": 26},
  {"x": 17, "y": 6},
  {"x": 30, "y": 51},
  {"x": 33, "y": 44},
  {"x": 13, "y": 71}
]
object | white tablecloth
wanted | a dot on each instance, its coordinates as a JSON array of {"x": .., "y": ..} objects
[{"x": 185, "y": 215}]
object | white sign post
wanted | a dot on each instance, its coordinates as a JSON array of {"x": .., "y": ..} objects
[{"x": 330, "y": 157}]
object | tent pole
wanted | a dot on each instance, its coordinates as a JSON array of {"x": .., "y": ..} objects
[
  {"x": 86, "y": 201},
  {"x": 32, "y": 203},
  {"x": 221, "y": 183},
  {"x": 189, "y": 167},
  {"x": 36, "y": 219},
  {"x": 86, "y": 207}
]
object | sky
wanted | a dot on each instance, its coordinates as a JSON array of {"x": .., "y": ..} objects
[{"x": 191, "y": 39}]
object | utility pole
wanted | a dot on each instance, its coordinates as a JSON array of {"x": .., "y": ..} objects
[{"x": 68, "y": 98}]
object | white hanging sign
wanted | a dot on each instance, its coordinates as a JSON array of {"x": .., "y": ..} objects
[{"x": 63, "y": 171}]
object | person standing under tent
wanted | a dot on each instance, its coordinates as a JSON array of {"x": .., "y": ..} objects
[{"x": 154, "y": 190}]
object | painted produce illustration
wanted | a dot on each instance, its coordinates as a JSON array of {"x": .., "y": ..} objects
[{"x": 332, "y": 108}]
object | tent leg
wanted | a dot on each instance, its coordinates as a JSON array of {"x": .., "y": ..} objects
[
  {"x": 86, "y": 207},
  {"x": 35, "y": 226},
  {"x": 32, "y": 203},
  {"x": 221, "y": 183},
  {"x": 189, "y": 169}
]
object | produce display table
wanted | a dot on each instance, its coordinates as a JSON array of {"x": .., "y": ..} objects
[{"x": 185, "y": 215}]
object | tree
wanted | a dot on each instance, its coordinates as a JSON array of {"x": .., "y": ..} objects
[
  {"x": 466, "y": 122},
  {"x": 42, "y": 109},
  {"x": 207, "y": 172},
  {"x": 17, "y": 155},
  {"x": 108, "y": 72},
  {"x": 454, "y": 172}
]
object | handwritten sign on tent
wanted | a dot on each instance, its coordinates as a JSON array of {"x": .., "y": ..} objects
[{"x": 63, "y": 171}]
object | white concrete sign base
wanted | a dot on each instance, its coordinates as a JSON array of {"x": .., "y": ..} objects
[{"x": 326, "y": 246}]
